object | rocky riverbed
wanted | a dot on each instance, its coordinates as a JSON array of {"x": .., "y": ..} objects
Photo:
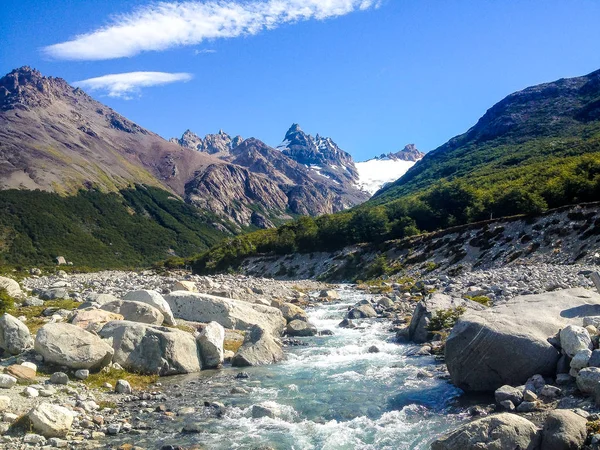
[{"x": 354, "y": 368}]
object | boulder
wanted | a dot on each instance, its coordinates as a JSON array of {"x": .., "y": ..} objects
[
  {"x": 573, "y": 339},
  {"x": 229, "y": 313},
  {"x": 564, "y": 430},
  {"x": 259, "y": 348},
  {"x": 508, "y": 343},
  {"x": 7, "y": 381},
  {"x": 509, "y": 393},
  {"x": 188, "y": 286},
  {"x": 210, "y": 343},
  {"x": 588, "y": 381},
  {"x": 299, "y": 328},
  {"x": 329, "y": 294},
  {"x": 418, "y": 330},
  {"x": 101, "y": 299},
  {"x": 503, "y": 431},
  {"x": 93, "y": 319},
  {"x": 292, "y": 312},
  {"x": 11, "y": 286},
  {"x": 135, "y": 311},
  {"x": 14, "y": 335},
  {"x": 153, "y": 298},
  {"x": 363, "y": 311},
  {"x": 151, "y": 349},
  {"x": 68, "y": 345},
  {"x": 20, "y": 372},
  {"x": 51, "y": 420}
]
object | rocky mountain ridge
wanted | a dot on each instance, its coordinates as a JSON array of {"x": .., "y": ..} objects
[
  {"x": 56, "y": 138},
  {"x": 408, "y": 153}
]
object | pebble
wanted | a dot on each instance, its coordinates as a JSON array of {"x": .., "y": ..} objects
[{"x": 59, "y": 378}]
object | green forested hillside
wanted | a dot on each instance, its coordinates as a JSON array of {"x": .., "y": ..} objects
[
  {"x": 536, "y": 149},
  {"x": 139, "y": 227}
]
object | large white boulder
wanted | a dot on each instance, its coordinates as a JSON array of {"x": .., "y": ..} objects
[
  {"x": 135, "y": 311},
  {"x": 155, "y": 299},
  {"x": 508, "y": 343},
  {"x": 14, "y": 335},
  {"x": 210, "y": 342},
  {"x": 68, "y": 345},
  {"x": 151, "y": 349},
  {"x": 51, "y": 420},
  {"x": 501, "y": 431},
  {"x": 574, "y": 339},
  {"x": 232, "y": 314},
  {"x": 11, "y": 286},
  {"x": 259, "y": 348}
]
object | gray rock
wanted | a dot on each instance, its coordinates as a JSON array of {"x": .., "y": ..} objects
[
  {"x": 135, "y": 311},
  {"x": 101, "y": 299},
  {"x": 364, "y": 311},
  {"x": 82, "y": 374},
  {"x": 14, "y": 335},
  {"x": 292, "y": 312},
  {"x": 260, "y": 411},
  {"x": 153, "y": 298},
  {"x": 151, "y": 349},
  {"x": 507, "y": 405},
  {"x": 298, "y": 328},
  {"x": 59, "y": 378},
  {"x": 329, "y": 294},
  {"x": 33, "y": 301},
  {"x": 503, "y": 431},
  {"x": 564, "y": 430},
  {"x": 594, "y": 359},
  {"x": 210, "y": 342},
  {"x": 550, "y": 391},
  {"x": 123, "y": 387},
  {"x": 7, "y": 381},
  {"x": 588, "y": 381},
  {"x": 70, "y": 346},
  {"x": 508, "y": 393},
  {"x": 11, "y": 286},
  {"x": 259, "y": 348},
  {"x": 229, "y": 313},
  {"x": 508, "y": 343},
  {"x": 529, "y": 396},
  {"x": 573, "y": 339},
  {"x": 526, "y": 407},
  {"x": 426, "y": 309},
  {"x": 51, "y": 420},
  {"x": 581, "y": 359}
]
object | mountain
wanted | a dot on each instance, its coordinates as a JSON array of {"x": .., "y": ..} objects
[
  {"x": 293, "y": 187},
  {"x": 379, "y": 171},
  {"x": 520, "y": 141},
  {"x": 535, "y": 150}
]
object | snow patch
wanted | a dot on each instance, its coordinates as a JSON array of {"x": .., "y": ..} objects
[{"x": 375, "y": 173}]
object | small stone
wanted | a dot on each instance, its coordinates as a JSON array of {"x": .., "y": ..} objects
[
  {"x": 82, "y": 374},
  {"x": 507, "y": 405},
  {"x": 260, "y": 411},
  {"x": 59, "y": 378},
  {"x": 192, "y": 427},
  {"x": 31, "y": 365},
  {"x": 507, "y": 392},
  {"x": 34, "y": 439},
  {"x": 9, "y": 417},
  {"x": 594, "y": 359},
  {"x": 21, "y": 372},
  {"x": 4, "y": 403},
  {"x": 123, "y": 387},
  {"x": 529, "y": 396},
  {"x": 58, "y": 443},
  {"x": 7, "y": 381},
  {"x": 550, "y": 391},
  {"x": 107, "y": 386},
  {"x": 97, "y": 435},
  {"x": 581, "y": 359},
  {"x": 242, "y": 376},
  {"x": 46, "y": 392},
  {"x": 30, "y": 392},
  {"x": 592, "y": 330},
  {"x": 238, "y": 390},
  {"x": 373, "y": 349},
  {"x": 525, "y": 407},
  {"x": 113, "y": 429}
]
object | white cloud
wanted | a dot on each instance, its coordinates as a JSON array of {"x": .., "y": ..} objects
[
  {"x": 204, "y": 51},
  {"x": 125, "y": 85},
  {"x": 165, "y": 25}
]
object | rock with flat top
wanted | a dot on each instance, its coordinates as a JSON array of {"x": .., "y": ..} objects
[
  {"x": 135, "y": 311},
  {"x": 68, "y": 345},
  {"x": 508, "y": 343},
  {"x": 153, "y": 298},
  {"x": 503, "y": 431}
]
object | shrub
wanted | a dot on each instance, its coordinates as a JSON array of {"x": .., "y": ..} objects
[{"x": 445, "y": 318}]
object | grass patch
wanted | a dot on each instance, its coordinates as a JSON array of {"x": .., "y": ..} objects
[
  {"x": 7, "y": 303},
  {"x": 33, "y": 314},
  {"x": 233, "y": 340},
  {"x": 481, "y": 299},
  {"x": 137, "y": 381}
]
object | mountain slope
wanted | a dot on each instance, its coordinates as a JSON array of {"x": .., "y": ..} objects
[
  {"x": 521, "y": 140},
  {"x": 536, "y": 149}
]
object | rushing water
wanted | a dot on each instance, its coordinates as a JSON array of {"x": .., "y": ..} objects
[{"x": 331, "y": 394}]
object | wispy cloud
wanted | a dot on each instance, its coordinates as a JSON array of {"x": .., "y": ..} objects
[
  {"x": 126, "y": 85},
  {"x": 165, "y": 25},
  {"x": 205, "y": 51}
]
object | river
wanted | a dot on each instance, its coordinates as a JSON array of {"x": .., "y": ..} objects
[{"x": 329, "y": 394}]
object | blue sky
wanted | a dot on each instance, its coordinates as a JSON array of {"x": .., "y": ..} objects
[{"x": 372, "y": 74}]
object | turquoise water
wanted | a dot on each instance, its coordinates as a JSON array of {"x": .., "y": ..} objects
[{"x": 330, "y": 394}]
